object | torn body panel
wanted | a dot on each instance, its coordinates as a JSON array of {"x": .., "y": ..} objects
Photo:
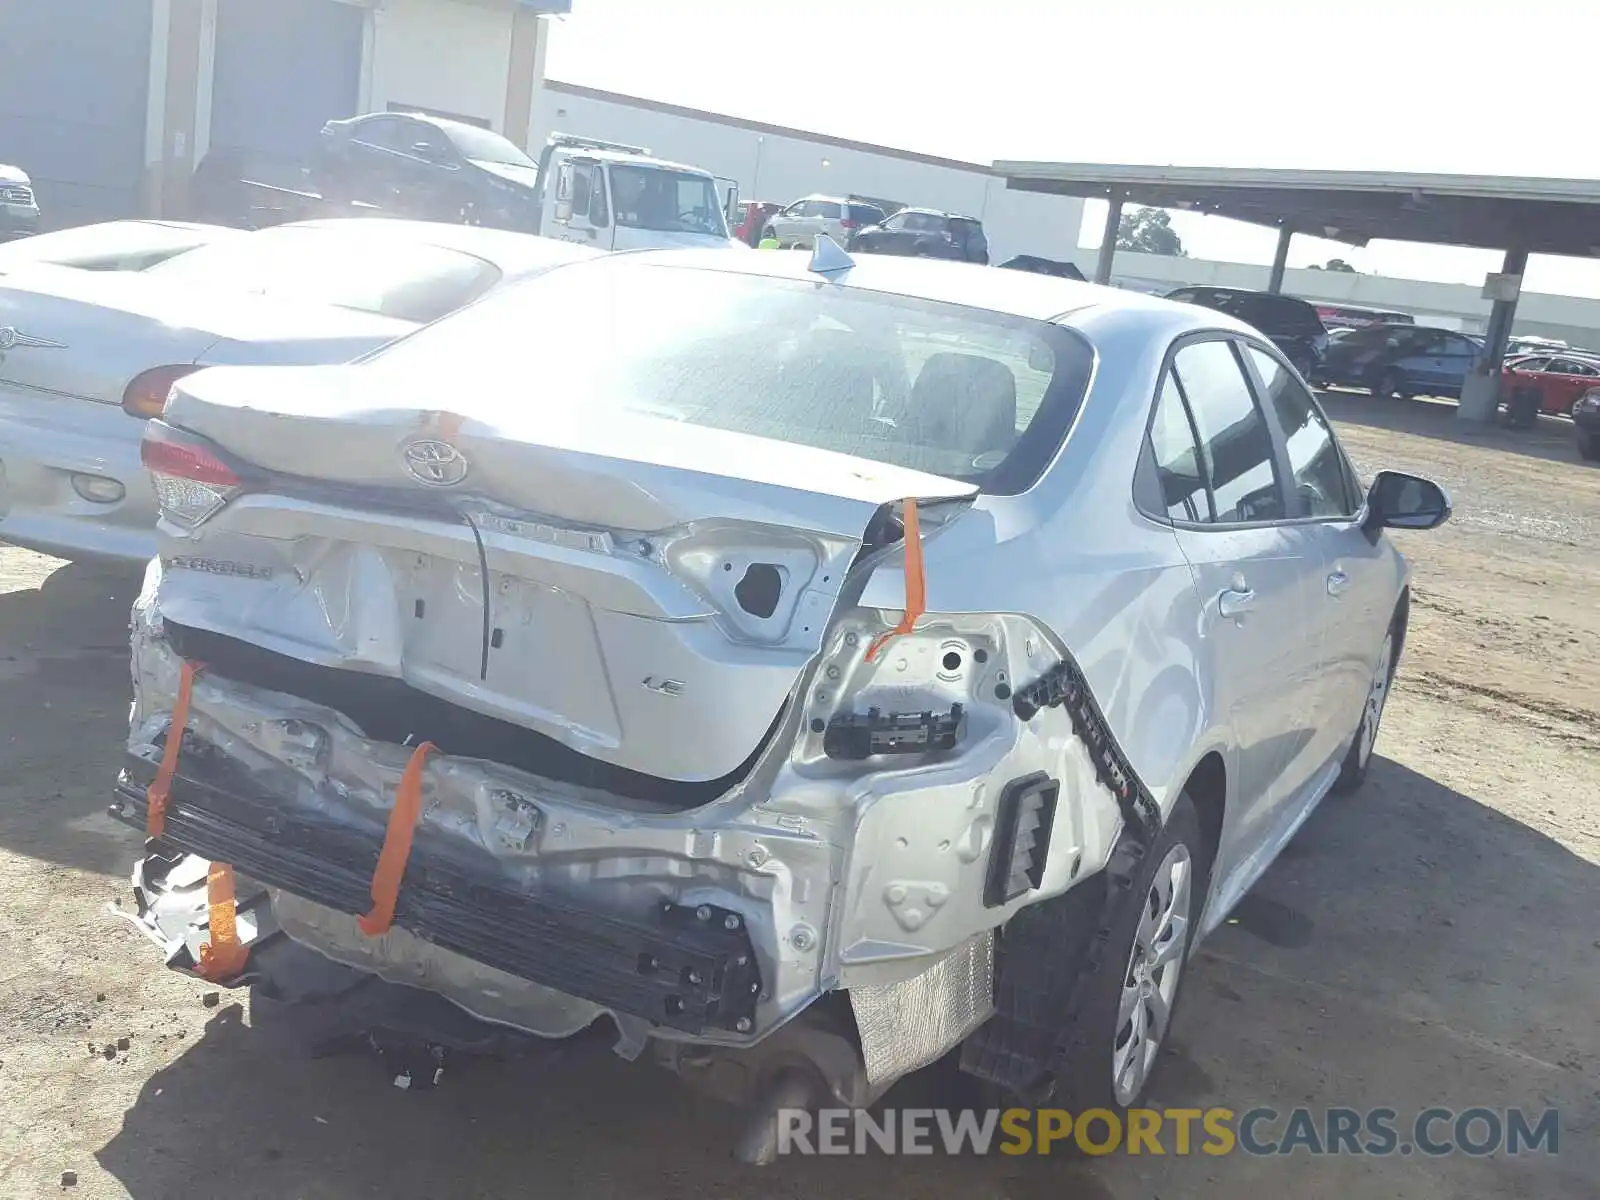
[{"x": 842, "y": 873}]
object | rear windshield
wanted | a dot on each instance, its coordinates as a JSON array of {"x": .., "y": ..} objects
[
  {"x": 389, "y": 276},
  {"x": 953, "y": 391},
  {"x": 866, "y": 214},
  {"x": 113, "y": 246}
]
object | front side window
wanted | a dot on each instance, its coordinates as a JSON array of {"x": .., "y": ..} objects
[
  {"x": 945, "y": 389},
  {"x": 1235, "y": 445},
  {"x": 665, "y": 201},
  {"x": 1322, "y": 481}
]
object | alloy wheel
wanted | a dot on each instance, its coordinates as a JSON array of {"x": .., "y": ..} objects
[
  {"x": 1150, "y": 983},
  {"x": 1377, "y": 695}
]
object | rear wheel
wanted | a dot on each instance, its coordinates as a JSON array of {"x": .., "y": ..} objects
[
  {"x": 1115, "y": 1039},
  {"x": 1390, "y": 384}
]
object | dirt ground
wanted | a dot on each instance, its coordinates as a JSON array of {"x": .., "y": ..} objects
[{"x": 1432, "y": 941}]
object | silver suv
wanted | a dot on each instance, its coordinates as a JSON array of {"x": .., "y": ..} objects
[{"x": 837, "y": 216}]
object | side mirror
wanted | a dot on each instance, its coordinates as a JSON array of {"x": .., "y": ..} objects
[
  {"x": 1400, "y": 501},
  {"x": 730, "y": 204},
  {"x": 563, "y": 212}
]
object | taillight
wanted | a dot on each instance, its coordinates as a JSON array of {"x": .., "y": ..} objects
[
  {"x": 848, "y": 223},
  {"x": 190, "y": 482},
  {"x": 146, "y": 396}
]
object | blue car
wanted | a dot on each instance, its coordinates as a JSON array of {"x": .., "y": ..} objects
[{"x": 1400, "y": 360}]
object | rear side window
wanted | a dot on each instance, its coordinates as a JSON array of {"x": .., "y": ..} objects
[
  {"x": 1177, "y": 457},
  {"x": 1322, "y": 480},
  {"x": 829, "y": 209},
  {"x": 1235, "y": 447}
]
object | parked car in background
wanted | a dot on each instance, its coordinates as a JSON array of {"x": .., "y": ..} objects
[
  {"x": 19, "y": 207},
  {"x": 428, "y": 167},
  {"x": 1400, "y": 360},
  {"x": 111, "y": 245},
  {"x": 1586, "y": 425},
  {"x": 804, "y": 729},
  {"x": 1350, "y": 316},
  {"x": 925, "y": 233},
  {"x": 1532, "y": 344},
  {"x": 1044, "y": 266},
  {"x": 753, "y": 218},
  {"x": 1559, "y": 379},
  {"x": 1291, "y": 323},
  {"x": 87, "y": 358},
  {"x": 839, "y": 217}
]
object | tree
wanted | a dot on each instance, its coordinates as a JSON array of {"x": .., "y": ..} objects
[
  {"x": 1150, "y": 231},
  {"x": 1338, "y": 264}
]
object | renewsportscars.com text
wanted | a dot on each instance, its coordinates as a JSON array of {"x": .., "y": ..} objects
[{"x": 1432, "y": 1132}]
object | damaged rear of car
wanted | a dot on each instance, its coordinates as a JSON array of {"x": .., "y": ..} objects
[{"x": 673, "y": 643}]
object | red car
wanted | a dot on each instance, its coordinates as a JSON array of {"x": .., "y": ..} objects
[
  {"x": 1560, "y": 378},
  {"x": 753, "y": 216}
]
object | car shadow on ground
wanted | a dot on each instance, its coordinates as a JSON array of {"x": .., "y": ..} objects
[
  {"x": 64, "y": 682},
  {"x": 1385, "y": 901},
  {"x": 1552, "y": 439}
]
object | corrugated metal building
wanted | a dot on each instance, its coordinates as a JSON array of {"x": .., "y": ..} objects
[{"x": 109, "y": 104}]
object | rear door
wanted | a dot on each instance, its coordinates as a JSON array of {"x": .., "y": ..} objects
[
  {"x": 1349, "y": 602},
  {"x": 1251, "y": 568},
  {"x": 1568, "y": 379},
  {"x": 1455, "y": 355}
]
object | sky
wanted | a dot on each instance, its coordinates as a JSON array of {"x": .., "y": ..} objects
[{"x": 1402, "y": 85}]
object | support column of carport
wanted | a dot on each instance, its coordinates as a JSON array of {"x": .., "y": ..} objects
[
  {"x": 1480, "y": 391},
  {"x": 1280, "y": 259},
  {"x": 1108, "y": 241}
]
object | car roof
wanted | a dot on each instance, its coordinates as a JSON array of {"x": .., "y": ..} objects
[
  {"x": 936, "y": 212},
  {"x": 513, "y": 253},
  {"x": 1206, "y": 289},
  {"x": 625, "y": 158},
  {"x": 1014, "y": 293}
]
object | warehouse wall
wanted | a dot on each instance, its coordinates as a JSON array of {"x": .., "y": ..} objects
[
  {"x": 441, "y": 55},
  {"x": 785, "y": 165}
]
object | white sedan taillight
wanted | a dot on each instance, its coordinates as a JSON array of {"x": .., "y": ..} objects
[{"x": 190, "y": 482}]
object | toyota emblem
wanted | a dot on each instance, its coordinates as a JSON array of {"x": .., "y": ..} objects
[{"x": 437, "y": 464}]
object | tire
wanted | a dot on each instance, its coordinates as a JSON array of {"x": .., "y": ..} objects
[
  {"x": 1108, "y": 1065},
  {"x": 1390, "y": 384},
  {"x": 1358, "y": 760},
  {"x": 1588, "y": 446}
]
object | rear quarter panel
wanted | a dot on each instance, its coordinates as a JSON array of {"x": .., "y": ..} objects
[{"x": 1111, "y": 585}]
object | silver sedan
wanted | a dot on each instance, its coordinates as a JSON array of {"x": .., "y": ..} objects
[
  {"x": 86, "y": 357},
  {"x": 960, "y": 643}
]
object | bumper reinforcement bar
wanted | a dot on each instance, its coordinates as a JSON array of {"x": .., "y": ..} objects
[{"x": 686, "y": 968}]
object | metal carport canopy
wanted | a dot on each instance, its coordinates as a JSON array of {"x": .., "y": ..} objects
[{"x": 1519, "y": 216}]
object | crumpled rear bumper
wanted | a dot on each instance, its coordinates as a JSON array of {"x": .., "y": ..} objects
[{"x": 691, "y": 969}]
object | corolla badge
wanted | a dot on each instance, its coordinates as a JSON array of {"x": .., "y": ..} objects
[{"x": 435, "y": 463}]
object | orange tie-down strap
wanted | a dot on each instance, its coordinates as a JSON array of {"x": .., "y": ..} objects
[
  {"x": 916, "y": 582},
  {"x": 224, "y": 956},
  {"x": 396, "y": 845},
  {"x": 160, "y": 790}
]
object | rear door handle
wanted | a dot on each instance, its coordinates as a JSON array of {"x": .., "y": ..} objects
[
  {"x": 1337, "y": 583},
  {"x": 1235, "y": 602}
]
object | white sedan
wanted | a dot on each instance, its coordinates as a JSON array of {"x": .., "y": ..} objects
[{"x": 87, "y": 357}]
